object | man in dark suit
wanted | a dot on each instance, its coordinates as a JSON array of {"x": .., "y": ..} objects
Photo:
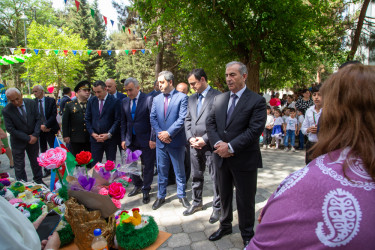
[
  {"x": 136, "y": 134},
  {"x": 67, "y": 92},
  {"x": 73, "y": 122},
  {"x": 234, "y": 125},
  {"x": 199, "y": 107},
  {"x": 103, "y": 122},
  {"x": 167, "y": 119},
  {"x": 156, "y": 90},
  {"x": 50, "y": 127},
  {"x": 22, "y": 122}
]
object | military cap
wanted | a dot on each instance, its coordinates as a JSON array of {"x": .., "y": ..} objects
[{"x": 82, "y": 85}]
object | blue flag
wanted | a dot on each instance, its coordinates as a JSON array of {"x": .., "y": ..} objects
[
  {"x": 112, "y": 22},
  {"x": 36, "y": 51},
  {"x": 74, "y": 52},
  {"x": 109, "y": 52}
]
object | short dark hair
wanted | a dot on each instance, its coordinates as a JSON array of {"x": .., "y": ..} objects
[
  {"x": 99, "y": 83},
  {"x": 122, "y": 81},
  {"x": 268, "y": 107},
  {"x": 198, "y": 74},
  {"x": 292, "y": 110},
  {"x": 316, "y": 88},
  {"x": 349, "y": 63},
  {"x": 66, "y": 90}
]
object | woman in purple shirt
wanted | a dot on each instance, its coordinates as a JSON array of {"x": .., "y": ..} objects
[{"x": 330, "y": 202}]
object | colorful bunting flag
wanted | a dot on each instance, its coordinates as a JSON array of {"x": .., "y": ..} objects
[
  {"x": 119, "y": 27},
  {"x": 23, "y": 51},
  {"x": 47, "y": 51},
  {"x": 112, "y": 22},
  {"x": 12, "y": 50},
  {"x": 74, "y": 52},
  {"x": 65, "y": 1},
  {"x": 133, "y": 51},
  {"x": 123, "y": 28},
  {"x": 157, "y": 43},
  {"x": 99, "y": 52},
  {"x": 56, "y": 51},
  {"x": 127, "y": 51},
  {"x": 80, "y": 52},
  {"x": 134, "y": 32},
  {"x": 77, "y": 5},
  {"x": 129, "y": 31},
  {"x": 36, "y": 51},
  {"x": 66, "y": 52},
  {"x": 143, "y": 51},
  {"x": 92, "y": 13},
  {"x": 145, "y": 39},
  {"x": 117, "y": 52},
  {"x": 109, "y": 52},
  {"x": 105, "y": 19},
  {"x": 89, "y": 51}
]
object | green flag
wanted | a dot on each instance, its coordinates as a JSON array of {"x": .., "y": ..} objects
[
  {"x": 70, "y": 164},
  {"x": 127, "y": 51},
  {"x": 56, "y": 51},
  {"x": 123, "y": 28},
  {"x": 89, "y": 51},
  {"x": 92, "y": 12}
]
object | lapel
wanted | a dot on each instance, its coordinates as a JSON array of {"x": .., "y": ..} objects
[
  {"x": 207, "y": 100},
  {"x": 241, "y": 102},
  {"x": 140, "y": 100},
  {"x": 194, "y": 103},
  {"x": 19, "y": 114},
  {"x": 222, "y": 108},
  {"x": 171, "y": 103},
  {"x": 106, "y": 104}
]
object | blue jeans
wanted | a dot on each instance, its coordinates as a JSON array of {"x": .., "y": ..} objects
[
  {"x": 292, "y": 135},
  {"x": 301, "y": 137},
  {"x": 164, "y": 157}
]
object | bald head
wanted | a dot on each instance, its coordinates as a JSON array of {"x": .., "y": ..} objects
[
  {"x": 183, "y": 88},
  {"x": 14, "y": 96},
  {"x": 111, "y": 86},
  {"x": 38, "y": 91}
]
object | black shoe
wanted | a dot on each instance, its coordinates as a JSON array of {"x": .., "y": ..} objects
[
  {"x": 192, "y": 209},
  {"x": 135, "y": 191},
  {"x": 146, "y": 198},
  {"x": 41, "y": 182},
  {"x": 11, "y": 167},
  {"x": 184, "y": 202},
  {"x": 46, "y": 173},
  {"x": 158, "y": 203},
  {"x": 215, "y": 216},
  {"x": 245, "y": 243},
  {"x": 219, "y": 234}
]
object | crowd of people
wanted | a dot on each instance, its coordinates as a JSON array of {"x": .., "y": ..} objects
[{"x": 219, "y": 132}]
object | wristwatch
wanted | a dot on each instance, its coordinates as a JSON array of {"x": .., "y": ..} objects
[{"x": 109, "y": 135}]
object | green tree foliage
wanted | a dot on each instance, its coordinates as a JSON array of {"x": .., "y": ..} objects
[
  {"x": 55, "y": 69},
  {"x": 284, "y": 35}
]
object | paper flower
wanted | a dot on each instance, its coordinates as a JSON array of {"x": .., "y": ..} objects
[
  {"x": 116, "y": 190},
  {"x": 109, "y": 165},
  {"x": 86, "y": 183},
  {"x": 103, "y": 191},
  {"x": 52, "y": 158},
  {"x": 98, "y": 166},
  {"x": 83, "y": 158},
  {"x": 116, "y": 202},
  {"x": 3, "y": 150},
  {"x": 104, "y": 174},
  {"x": 132, "y": 156}
]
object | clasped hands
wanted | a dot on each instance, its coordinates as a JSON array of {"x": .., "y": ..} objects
[
  {"x": 164, "y": 137},
  {"x": 222, "y": 149},
  {"x": 101, "y": 137},
  {"x": 197, "y": 142},
  {"x": 44, "y": 128}
]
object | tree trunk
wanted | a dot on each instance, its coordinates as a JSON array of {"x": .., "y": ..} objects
[
  {"x": 358, "y": 30},
  {"x": 253, "y": 76},
  {"x": 159, "y": 56}
]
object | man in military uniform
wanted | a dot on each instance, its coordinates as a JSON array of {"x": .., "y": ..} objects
[{"x": 73, "y": 120}]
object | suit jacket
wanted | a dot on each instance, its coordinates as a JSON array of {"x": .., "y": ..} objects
[
  {"x": 73, "y": 123},
  {"x": 195, "y": 124},
  {"x": 17, "y": 127},
  {"x": 141, "y": 122},
  {"x": 120, "y": 96},
  {"x": 242, "y": 132},
  {"x": 154, "y": 93},
  {"x": 106, "y": 122},
  {"x": 50, "y": 111},
  {"x": 174, "y": 120},
  {"x": 63, "y": 101}
]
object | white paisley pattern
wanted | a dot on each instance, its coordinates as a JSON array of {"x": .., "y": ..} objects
[
  {"x": 368, "y": 186},
  {"x": 290, "y": 181},
  {"x": 342, "y": 216}
]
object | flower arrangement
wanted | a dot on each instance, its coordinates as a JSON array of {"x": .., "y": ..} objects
[
  {"x": 83, "y": 158},
  {"x": 53, "y": 159}
]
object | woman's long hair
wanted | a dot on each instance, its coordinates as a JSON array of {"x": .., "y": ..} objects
[{"x": 348, "y": 118}]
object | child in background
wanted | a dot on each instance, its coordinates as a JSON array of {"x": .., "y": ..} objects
[
  {"x": 268, "y": 129},
  {"x": 285, "y": 114},
  {"x": 290, "y": 129},
  {"x": 301, "y": 136},
  {"x": 277, "y": 131}
]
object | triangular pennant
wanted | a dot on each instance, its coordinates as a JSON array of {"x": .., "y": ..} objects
[
  {"x": 92, "y": 12},
  {"x": 23, "y": 51},
  {"x": 36, "y": 51},
  {"x": 112, "y": 22},
  {"x": 119, "y": 27},
  {"x": 56, "y": 51},
  {"x": 65, "y": 1},
  {"x": 105, "y": 19},
  {"x": 123, "y": 28},
  {"x": 157, "y": 43},
  {"x": 117, "y": 52},
  {"x": 66, "y": 52},
  {"x": 145, "y": 39},
  {"x": 143, "y": 51},
  {"x": 150, "y": 51},
  {"x": 109, "y": 52},
  {"x": 89, "y": 51},
  {"x": 127, "y": 51},
  {"x": 99, "y": 52},
  {"x": 77, "y": 5},
  {"x": 47, "y": 51},
  {"x": 74, "y": 52},
  {"x": 80, "y": 52},
  {"x": 133, "y": 51},
  {"x": 134, "y": 32},
  {"x": 12, "y": 50},
  {"x": 129, "y": 31}
]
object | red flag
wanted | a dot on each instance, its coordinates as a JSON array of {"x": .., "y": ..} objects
[
  {"x": 105, "y": 19},
  {"x": 23, "y": 51},
  {"x": 145, "y": 39},
  {"x": 133, "y": 51},
  {"x": 66, "y": 52},
  {"x": 157, "y": 43},
  {"x": 77, "y": 5},
  {"x": 129, "y": 31},
  {"x": 99, "y": 52}
]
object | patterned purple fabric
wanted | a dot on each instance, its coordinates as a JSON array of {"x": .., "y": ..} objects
[{"x": 317, "y": 207}]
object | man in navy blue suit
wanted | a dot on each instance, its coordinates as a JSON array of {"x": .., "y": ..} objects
[
  {"x": 49, "y": 126},
  {"x": 102, "y": 122},
  {"x": 67, "y": 92},
  {"x": 167, "y": 119},
  {"x": 136, "y": 134},
  {"x": 156, "y": 90}
]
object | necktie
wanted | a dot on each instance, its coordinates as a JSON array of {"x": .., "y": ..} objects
[
  {"x": 134, "y": 107},
  {"x": 41, "y": 111},
  {"x": 165, "y": 104},
  {"x": 231, "y": 108},
  {"x": 23, "y": 112},
  {"x": 101, "y": 106},
  {"x": 83, "y": 105},
  {"x": 199, "y": 105}
]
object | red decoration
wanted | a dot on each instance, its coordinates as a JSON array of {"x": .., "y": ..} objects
[
  {"x": 133, "y": 51},
  {"x": 23, "y": 51},
  {"x": 99, "y": 52},
  {"x": 116, "y": 190},
  {"x": 83, "y": 158},
  {"x": 105, "y": 19},
  {"x": 157, "y": 43},
  {"x": 50, "y": 89},
  {"x": 77, "y": 5},
  {"x": 145, "y": 39},
  {"x": 3, "y": 150},
  {"x": 66, "y": 52},
  {"x": 129, "y": 31}
]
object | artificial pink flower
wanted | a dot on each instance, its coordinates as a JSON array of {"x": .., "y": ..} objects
[
  {"x": 109, "y": 165},
  {"x": 116, "y": 190},
  {"x": 103, "y": 191},
  {"x": 116, "y": 202}
]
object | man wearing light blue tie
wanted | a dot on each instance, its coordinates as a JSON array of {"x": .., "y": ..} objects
[{"x": 167, "y": 118}]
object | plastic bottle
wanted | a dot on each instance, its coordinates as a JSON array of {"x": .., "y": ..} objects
[{"x": 99, "y": 242}]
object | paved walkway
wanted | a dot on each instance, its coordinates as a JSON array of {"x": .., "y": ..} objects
[{"x": 192, "y": 232}]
